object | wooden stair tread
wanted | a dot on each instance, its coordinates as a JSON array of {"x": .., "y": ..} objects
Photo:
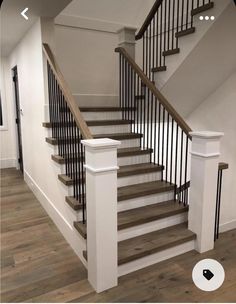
[
  {"x": 61, "y": 160},
  {"x": 54, "y": 141},
  {"x": 124, "y": 152},
  {"x": 74, "y": 204},
  {"x": 185, "y": 32},
  {"x": 159, "y": 69},
  {"x": 153, "y": 242},
  {"x": 100, "y": 109},
  {"x": 202, "y": 8},
  {"x": 119, "y": 136},
  {"x": 113, "y": 122},
  {"x": 142, "y": 168},
  {"x": 66, "y": 180},
  {"x": 141, "y": 215},
  {"x": 171, "y": 52},
  {"x": 138, "y": 190},
  {"x": 145, "y": 214},
  {"x": 92, "y": 123}
]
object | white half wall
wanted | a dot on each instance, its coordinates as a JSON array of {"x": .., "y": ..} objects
[
  {"x": 85, "y": 42},
  {"x": 217, "y": 113}
]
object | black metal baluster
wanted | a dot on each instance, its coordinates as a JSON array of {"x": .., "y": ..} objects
[
  {"x": 151, "y": 141},
  {"x": 177, "y": 22},
  {"x": 163, "y": 140},
  {"x": 186, "y": 168},
  {"x": 171, "y": 149},
  {"x": 187, "y": 13},
  {"x": 160, "y": 53},
  {"x": 181, "y": 165},
  {"x": 159, "y": 133},
  {"x": 169, "y": 13},
  {"x": 120, "y": 77},
  {"x": 176, "y": 158},
  {"x": 155, "y": 131},
  {"x": 182, "y": 15},
  {"x": 167, "y": 146},
  {"x": 173, "y": 24},
  {"x": 153, "y": 47}
]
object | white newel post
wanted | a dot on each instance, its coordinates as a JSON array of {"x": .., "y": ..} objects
[
  {"x": 204, "y": 171},
  {"x": 127, "y": 40},
  {"x": 101, "y": 199}
]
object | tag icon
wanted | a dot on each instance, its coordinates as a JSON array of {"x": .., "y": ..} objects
[{"x": 208, "y": 274}]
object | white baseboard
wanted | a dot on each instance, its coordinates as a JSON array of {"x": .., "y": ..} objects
[
  {"x": 77, "y": 243},
  {"x": 228, "y": 226},
  {"x": 7, "y": 163}
]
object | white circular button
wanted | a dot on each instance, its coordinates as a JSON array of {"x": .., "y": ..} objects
[
  {"x": 208, "y": 275},
  {"x": 206, "y": 17},
  {"x": 201, "y": 17}
]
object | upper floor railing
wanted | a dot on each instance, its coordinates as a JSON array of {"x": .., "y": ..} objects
[
  {"x": 167, "y": 21},
  {"x": 68, "y": 129},
  {"x": 164, "y": 131}
]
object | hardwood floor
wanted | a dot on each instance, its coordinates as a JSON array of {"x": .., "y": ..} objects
[{"x": 37, "y": 265}]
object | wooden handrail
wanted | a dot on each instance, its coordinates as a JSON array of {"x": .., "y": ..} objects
[
  {"x": 223, "y": 166},
  {"x": 180, "y": 121},
  {"x": 148, "y": 19},
  {"x": 71, "y": 102}
]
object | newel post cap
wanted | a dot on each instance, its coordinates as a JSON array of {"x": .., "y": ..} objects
[
  {"x": 206, "y": 134},
  {"x": 101, "y": 143}
]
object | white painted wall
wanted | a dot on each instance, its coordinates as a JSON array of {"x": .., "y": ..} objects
[
  {"x": 85, "y": 41},
  {"x": 40, "y": 172},
  {"x": 207, "y": 66},
  {"x": 8, "y": 154},
  {"x": 217, "y": 113}
]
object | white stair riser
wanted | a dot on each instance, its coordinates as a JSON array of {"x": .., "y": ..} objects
[
  {"x": 110, "y": 129},
  {"x": 145, "y": 200},
  {"x": 133, "y": 160},
  {"x": 102, "y": 115},
  {"x": 130, "y": 143},
  {"x": 138, "y": 179},
  {"x": 128, "y": 233},
  {"x": 155, "y": 258}
]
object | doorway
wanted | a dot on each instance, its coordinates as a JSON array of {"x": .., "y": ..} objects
[{"x": 18, "y": 117}]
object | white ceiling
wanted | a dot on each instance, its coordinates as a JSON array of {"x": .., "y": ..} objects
[
  {"x": 128, "y": 12},
  {"x": 14, "y": 26}
]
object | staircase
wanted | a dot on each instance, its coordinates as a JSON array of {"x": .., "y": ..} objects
[
  {"x": 150, "y": 220},
  {"x": 153, "y": 178}
]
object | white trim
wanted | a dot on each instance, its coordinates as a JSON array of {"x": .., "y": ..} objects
[
  {"x": 206, "y": 134},
  {"x": 7, "y": 163},
  {"x": 89, "y": 24},
  {"x": 77, "y": 243},
  {"x": 208, "y": 155},
  {"x": 101, "y": 170},
  {"x": 101, "y": 143},
  {"x": 228, "y": 226}
]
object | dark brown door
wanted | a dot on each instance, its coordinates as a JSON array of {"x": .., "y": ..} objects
[{"x": 18, "y": 118}]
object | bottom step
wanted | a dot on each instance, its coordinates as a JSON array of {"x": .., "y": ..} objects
[
  {"x": 147, "y": 244},
  {"x": 141, "y": 251}
]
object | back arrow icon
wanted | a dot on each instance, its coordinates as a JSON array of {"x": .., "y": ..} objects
[{"x": 23, "y": 13}]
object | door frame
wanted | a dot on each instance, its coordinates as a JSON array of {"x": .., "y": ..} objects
[{"x": 15, "y": 80}]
